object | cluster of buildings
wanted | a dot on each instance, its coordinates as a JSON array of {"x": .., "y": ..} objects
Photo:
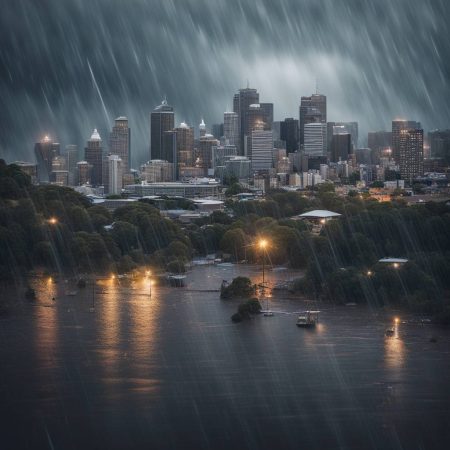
[{"x": 248, "y": 146}]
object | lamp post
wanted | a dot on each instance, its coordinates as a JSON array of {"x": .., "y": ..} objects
[{"x": 263, "y": 246}]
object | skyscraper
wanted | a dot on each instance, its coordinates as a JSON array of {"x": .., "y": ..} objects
[
  {"x": 241, "y": 102},
  {"x": 93, "y": 154},
  {"x": 260, "y": 148},
  {"x": 411, "y": 153},
  {"x": 439, "y": 141},
  {"x": 231, "y": 128},
  {"x": 315, "y": 139},
  {"x": 202, "y": 128},
  {"x": 83, "y": 172},
  {"x": 341, "y": 146},
  {"x": 45, "y": 151},
  {"x": 312, "y": 109},
  {"x": 114, "y": 169},
  {"x": 397, "y": 126},
  {"x": 161, "y": 119},
  {"x": 289, "y": 134},
  {"x": 119, "y": 142},
  {"x": 72, "y": 159},
  {"x": 184, "y": 145},
  {"x": 346, "y": 127},
  {"x": 205, "y": 146}
]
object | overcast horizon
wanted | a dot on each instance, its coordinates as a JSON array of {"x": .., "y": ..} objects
[{"x": 68, "y": 67}]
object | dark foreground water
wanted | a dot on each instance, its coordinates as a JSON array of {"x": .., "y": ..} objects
[{"x": 172, "y": 371}]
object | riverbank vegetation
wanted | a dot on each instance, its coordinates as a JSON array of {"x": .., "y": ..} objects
[{"x": 56, "y": 229}]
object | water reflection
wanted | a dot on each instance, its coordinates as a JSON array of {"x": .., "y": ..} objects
[
  {"x": 46, "y": 318},
  {"x": 394, "y": 350}
]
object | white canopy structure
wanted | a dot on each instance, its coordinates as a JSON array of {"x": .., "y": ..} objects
[
  {"x": 319, "y": 214},
  {"x": 390, "y": 260}
]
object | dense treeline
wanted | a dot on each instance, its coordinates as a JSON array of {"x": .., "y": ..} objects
[{"x": 340, "y": 263}]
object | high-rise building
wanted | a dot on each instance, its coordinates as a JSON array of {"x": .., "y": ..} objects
[
  {"x": 411, "y": 153},
  {"x": 45, "y": 151},
  {"x": 315, "y": 139},
  {"x": 217, "y": 130},
  {"x": 260, "y": 147},
  {"x": 341, "y": 146},
  {"x": 339, "y": 127},
  {"x": 289, "y": 134},
  {"x": 184, "y": 145},
  {"x": 241, "y": 102},
  {"x": 114, "y": 170},
  {"x": 231, "y": 128},
  {"x": 83, "y": 172},
  {"x": 268, "y": 114},
  {"x": 204, "y": 156},
  {"x": 257, "y": 118},
  {"x": 162, "y": 119},
  {"x": 379, "y": 140},
  {"x": 397, "y": 126},
  {"x": 169, "y": 148},
  {"x": 312, "y": 109},
  {"x": 202, "y": 128},
  {"x": 439, "y": 141},
  {"x": 93, "y": 154},
  {"x": 157, "y": 171},
  {"x": 72, "y": 158},
  {"x": 119, "y": 142}
]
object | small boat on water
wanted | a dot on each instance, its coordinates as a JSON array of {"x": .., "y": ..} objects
[
  {"x": 308, "y": 319},
  {"x": 176, "y": 280},
  {"x": 389, "y": 331}
]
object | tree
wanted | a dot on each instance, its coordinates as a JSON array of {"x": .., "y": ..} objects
[{"x": 235, "y": 242}]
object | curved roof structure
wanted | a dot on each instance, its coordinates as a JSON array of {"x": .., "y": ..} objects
[
  {"x": 320, "y": 214},
  {"x": 390, "y": 260},
  {"x": 95, "y": 136}
]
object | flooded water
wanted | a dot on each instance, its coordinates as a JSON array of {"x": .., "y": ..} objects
[{"x": 171, "y": 370}]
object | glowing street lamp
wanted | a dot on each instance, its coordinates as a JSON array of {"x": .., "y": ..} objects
[
  {"x": 263, "y": 245},
  {"x": 53, "y": 221},
  {"x": 369, "y": 273}
]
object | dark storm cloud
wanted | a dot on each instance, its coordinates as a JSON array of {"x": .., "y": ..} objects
[{"x": 68, "y": 66}]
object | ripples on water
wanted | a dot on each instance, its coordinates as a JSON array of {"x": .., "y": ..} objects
[{"x": 172, "y": 371}]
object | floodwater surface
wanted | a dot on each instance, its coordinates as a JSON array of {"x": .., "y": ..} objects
[{"x": 171, "y": 370}]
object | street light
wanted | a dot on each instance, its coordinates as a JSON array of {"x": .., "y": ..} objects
[
  {"x": 53, "y": 221},
  {"x": 263, "y": 245}
]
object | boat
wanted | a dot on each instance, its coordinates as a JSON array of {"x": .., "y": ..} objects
[
  {"x": 176, "y": 280},
  {"x": 308, "y": 319},
  {"x": 389, "y": 331}
]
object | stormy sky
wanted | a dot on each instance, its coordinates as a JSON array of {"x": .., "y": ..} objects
[{"x": 67, "y": 66}]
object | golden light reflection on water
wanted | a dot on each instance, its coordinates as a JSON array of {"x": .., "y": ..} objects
[
  {"x": 394, "y": 350},
  {"x": 46, "y": 317}
]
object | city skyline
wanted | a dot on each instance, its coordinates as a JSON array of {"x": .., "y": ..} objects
[{"x": 70, "y": 89}]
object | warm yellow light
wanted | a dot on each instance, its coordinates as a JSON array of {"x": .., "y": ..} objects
[
  {"x": 49, "y": 279},
  {"x": 263, "y": 243},
  {"x": 53, "y": 220},
  {"x": 113, "y": 277},
  {"x": 395, "y": 265},
  {"x": 148, "y": 273},
  {"x": 322, "y": 221},
  {"x": 369, "y": 273},
  {"x": 396, "y": 320}
]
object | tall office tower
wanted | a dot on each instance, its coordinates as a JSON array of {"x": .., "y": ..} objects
[
  {"x": 241, "y": 102},
  {"x": 45, "y": 151},
  {"x": 113, "y": 174},
  {"x": 59, "y": 174},
  {"x": 202, "y": 128},
  {"x": 72, "y": 159},
  {"x": 161, "y": 119},
  {"x": 205, "y": 145},
  {"x": 439, "y": 141},
  {"x": 257, "y": 119},
  {"x": 347, "y": 127},
  {"x": 268, "y": 114},
  {"x": 411, "y": 153},
  {"x": 312, "y": 109},
  {"x": 83, "y": 172},
  {"x": 260, "y": 148},
  {"x": 217, "y": 130},
  {"x": 231, "y": 128},
  {"x": 276, "y": 127},
  {"x": 157, "y": 171},
  {"x": 315, "y": 139},
  {"x": 379, "y": 140},
  {"x": 119, "y": 142},
  {"x": 93, "y": 154},
  {"x": 184, "y": 145},
  {"x": 289, "y": 134},
  {"x": 341, "y": 146},
  {"x": 397, "y": 126},
  {"x": 169, "y": 147}
]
